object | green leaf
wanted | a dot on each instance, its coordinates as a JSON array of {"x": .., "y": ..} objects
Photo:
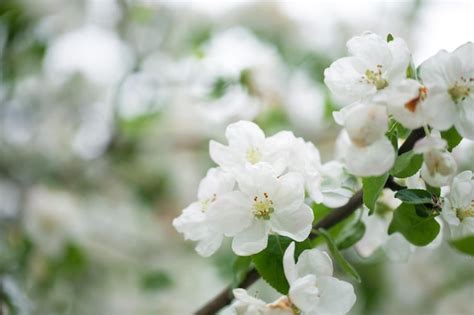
[
  {"x": 389, "y": 38},
  {"x": 320, "y": 211},
  {"x": 372, "y": 187},
  {"x": 156, "y": 280},
  {"x": 415, "y": 196},
  {"x": 417, "y": 230},
  {"x": 350, "y": 235},
  {"x": 407, "y": 164},
  {"x": 464, "y": 245},
  {"x": 240, "y": 269},
  {"x": 452, "y": 137},
  {"x": 269, "y": 262},
  {"x": 336, "y": 254}
]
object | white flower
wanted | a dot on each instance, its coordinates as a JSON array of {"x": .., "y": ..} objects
[
  {"x": 193, "y": 222},
  {"x": 439, "y": 165},
  {"x": 248, "y": 305},
  {"x": 458, "y": 208},
  {"x": 337, "y": 186},
  {"x": 313, "y": 289},
  {"x": 366, "y": 150},
  {"x": 247, "y": 146},
  {"x": 264, "y": 204},
  {"x": 449, "y": 78},
  {"x": 303, "y": 157},
  {"x": 373, "y": 65},
  {"x": 403, "y": 101},
  {"x": 52, "y": 219}
]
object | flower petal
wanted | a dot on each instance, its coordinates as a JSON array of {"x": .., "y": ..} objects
[
  {"x": 230, "y": 213},
  {"x": 315, "y": 262},
  {"x": 209, "y": 245},
  {"x": 216, "y": 182},
  {"x": 289, "y": 194},
  {"x": 293, "y": 223},
  {"x": 465, "y": 118},
  {"x": 336, "y": 297},
  {"x": 243, "y": 135},
  {"x": 304, "y": 293},
  {"x": 372, "y": 160},
  {"x": 252, "y": 240},
  {"x": 289, "y": 266}
]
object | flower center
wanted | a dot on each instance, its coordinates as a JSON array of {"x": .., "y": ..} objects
[
  {"x": 285, "y": 304},
  {"x": 463, "y": 213},
  {"x": 206, "y": 202},
  {"x": 375, "y": 78},
  {"x": 460, "y": 90},
  {"x": 262, "y": 208},
  {"x": 253, "y": 155},
  {"x": 413, "y": 103}
]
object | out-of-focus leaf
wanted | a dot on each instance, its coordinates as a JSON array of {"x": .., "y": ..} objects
[
  {"x": 156, "y": 280},
  {"x": 240, "y": 269},
  {"x": 464, "y": 245},
  {"x": 350, "y": 235},
  {"x": 336, "y": 254}
]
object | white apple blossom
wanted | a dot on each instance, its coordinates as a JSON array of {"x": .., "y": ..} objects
[
  {"x": 337, "y": 185},
  {"x": 248, "y": 305},
  {"x": 403, "y": 100},
  {"x": 247, "y": 146},
  {"x": 313, "y": 289},
  {"x": 366, "y": 150},
  {"x": 263, "y": 204},
  {"x": 449, "y": 78},
  {"x": 193, "y": 222},
  {"x": 439, "y": 165},
  {"x": 458, "y": 208},
  {"x": 373, "y": 66}
]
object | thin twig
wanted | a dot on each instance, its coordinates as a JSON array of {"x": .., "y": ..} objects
[{"x": 337, "y": 215}]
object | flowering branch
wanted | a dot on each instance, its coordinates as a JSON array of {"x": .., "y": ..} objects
[{"x": 337, "y": 215}]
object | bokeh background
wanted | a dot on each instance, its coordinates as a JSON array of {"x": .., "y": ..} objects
[{"x": 106, "y": 110}]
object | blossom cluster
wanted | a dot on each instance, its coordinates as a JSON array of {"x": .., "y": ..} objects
[
  {"x": 259, "y": 189},
  {"x": 378, "y": 81},
  {"x": 313, "y": 289}
]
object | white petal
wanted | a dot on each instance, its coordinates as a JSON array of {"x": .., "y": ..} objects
[
  {"x": 216, "y": 182},
  {"x": 337, "y": 297},
  {"x": 252, "y": 240},
  {"x": 289, "y": 266},
  {"x": 289, "y": 194},
  {"x": 209, "y": 245},
  {"x": 439, "y": 109},
  {"x": 343, "y": 78},
  {"x": 231, "y": 213},
  {"x": 304, "y": 293},
  {"x": 371, "y": 48},
  {"x": 224, "y": 157},
  {"x": 315, "y": 262},
  {"x": 192, "y": 222},
  {"x": 243, "y": 296},
  {"x": 465, "y": 54},
  {"x": 365, "y": 124},
  {"x": 465, "y": 118},
  {"x": 441, "y": 70},
  {"x": 372, "y": 160},
  {"x": 429, "y": 143},
  {"x": 293, "y": 223},
  {"x": 449, "y": 214},
  {"x": 243, "y": 135},
  {"x": 255, "y": 180},
  {"x": 400, "y": 59}
]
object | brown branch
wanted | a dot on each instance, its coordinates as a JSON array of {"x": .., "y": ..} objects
[{"x": 337, "y": 215}]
